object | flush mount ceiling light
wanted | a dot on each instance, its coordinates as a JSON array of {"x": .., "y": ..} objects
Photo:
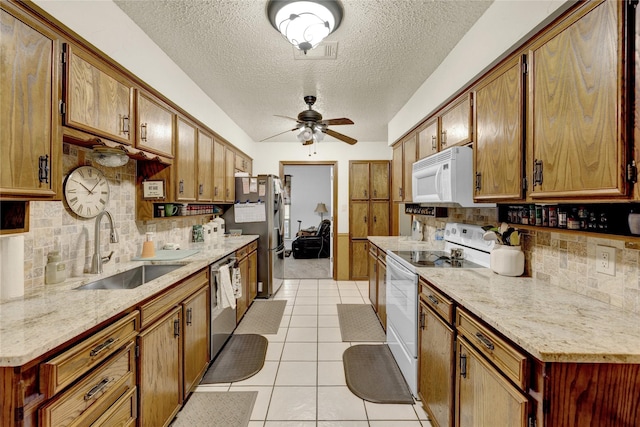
[
  {"x": 305, "y": 23},
  {"x": 109, "y": 157}
]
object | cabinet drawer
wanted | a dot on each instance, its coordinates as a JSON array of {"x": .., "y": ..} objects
[
  {"x": 437, "y": 301},
  {"x": 93, "y": 395},
  {"x": 242, "y": 252},
  {"x": 123, "y": 413},
  {"x": 59, "y": 372},
  {"x": 252, "y": 246},
  {"x": 158, "y": 306},
  {"x": 510, "y": 361},
  {"x": 382, "y": 256}
]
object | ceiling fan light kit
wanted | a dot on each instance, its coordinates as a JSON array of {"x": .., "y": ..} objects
[{"x": 305, "y": 23}]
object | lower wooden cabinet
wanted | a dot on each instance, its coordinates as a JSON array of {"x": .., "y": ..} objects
[
  {"x": 242, "y": 304},
  {"x": 253, "y": 275},
  {"x": 373, "y": 277},
  {"x": 248, "y": 265},
  {"x": 196, "y": 321},
  {"x": 378, "y": 282},
  {"x": 359, "y": 259},
  {"x": 123, "y": 413}
]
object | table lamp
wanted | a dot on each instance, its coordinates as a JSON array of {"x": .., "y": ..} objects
[{"x": 321, "y": 209}]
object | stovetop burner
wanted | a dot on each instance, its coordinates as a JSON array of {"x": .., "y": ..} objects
[{"x": 439, "y": 259}]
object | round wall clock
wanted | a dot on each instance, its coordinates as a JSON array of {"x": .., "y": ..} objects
[{"x": 86, "y": 191}]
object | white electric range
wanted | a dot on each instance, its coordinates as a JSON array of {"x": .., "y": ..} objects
[{"x": 402, "y": 288}]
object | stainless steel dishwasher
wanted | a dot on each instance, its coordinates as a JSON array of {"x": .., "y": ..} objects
[{"x": 223, "y": 320}]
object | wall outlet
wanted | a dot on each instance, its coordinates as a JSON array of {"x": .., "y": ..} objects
[{"x": 606, "y": 260}]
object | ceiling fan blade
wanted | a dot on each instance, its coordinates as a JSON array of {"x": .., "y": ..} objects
[
  {"x": 286, "y": 117},
  {"x": 340, "y": 136},
  {"x": 277, "y": 134},
  {"x": 309, "y": 142},
  {"x": 335, "y": 122}
]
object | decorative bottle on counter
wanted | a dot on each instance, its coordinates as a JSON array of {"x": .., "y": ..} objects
[
  {"x": 507, "y": 260},
  {"x": 55, "y": 271}
]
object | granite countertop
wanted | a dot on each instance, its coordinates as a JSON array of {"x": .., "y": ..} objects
[
  {"x": 550, "y": 323},
  {"x": 50, "y": 315}
]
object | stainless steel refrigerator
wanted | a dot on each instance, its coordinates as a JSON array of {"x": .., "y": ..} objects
[{"x": 259, "y": 209}]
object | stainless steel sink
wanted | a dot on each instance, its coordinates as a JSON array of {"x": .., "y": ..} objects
[{"x": 131, "y": 279}]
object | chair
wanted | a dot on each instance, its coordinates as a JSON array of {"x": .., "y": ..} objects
[{"x": 315, "y": 246}]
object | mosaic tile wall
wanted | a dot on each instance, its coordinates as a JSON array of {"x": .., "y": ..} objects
[
  {"x": 564, "y": 260},
  {"x": 54, "y": 227}
]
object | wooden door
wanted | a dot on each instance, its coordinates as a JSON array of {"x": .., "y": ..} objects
[
  {"x": 484, "y": 396},
  {"x": 160, "y": 370},
  {"x": 29, "y": 132},
  {"x": 359, "y": 219},
  {"x": 397, "y": 173},
  {"x": 437, "y": 370},
  {"x": 410, "y": 154},
  {"x": 379, "y": 180},
  {"x": 154, "y": 125},
  {"x": 576, "y": 108},
  {"x": 379, "y": 222},
  {"x": 196, "y": 338},
  {"x": 382, "y": 293},
  {"x": 359, "y": 260},
  {"x": 455, "y": 124},
  {"x": 499, "y": 132},
  {"x": 241, "y": 303},
  {"x": 99, "y": 100},
  {"x": 428, "y": 139},
  {"x": 373, "y": 276},
  {"x": 185, "y": 166},
  {"x": 218, "y": 171},
  {"x": 205, "y": 166},
  {"x": 253, "y": 276},
  {"x": 359, "y": 180},
  {"x": 229, "y": 175}
]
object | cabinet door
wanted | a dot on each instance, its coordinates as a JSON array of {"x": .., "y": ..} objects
[
  {"x": 154, "y": 125},
  {"x": 379, "y": 179},
  {"x": 28, "y": 117},
  {"x": 382, "y": 293},
  {"x": 229, "y": 175},
  {"x": 98, "y": 99},
  {"x": 410, "y": 155},
  {"x": 576, "y": 116},
  {"x": 196, "y": 338},
  {"x": 359, "y": 219},
  {"x": 455, "y": 124},
  {"x": 359, "y": 181},
  {"x": 484, "y": 396},
  {"x": 359, "y": 260},
  {"x": 397, "y": 174},
  {"x": 435, "y": 382},
  {"x": 499, "y": 131},
  {"x": 253, "y": 276},
  {"x": 160, "y": 369},
  {"x": 379, "y": 222},
  {"x": 428, "y": 139},
  {"x": 241, "y": 303},
  {"x": 186, "y": 161},
  {"x": 205, "y": 166},
  {"x": 373, "y": 277},
  {"x": 218, "y": 171}
]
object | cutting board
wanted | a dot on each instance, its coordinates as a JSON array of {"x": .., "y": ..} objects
[{"x": 162, "y": 255}]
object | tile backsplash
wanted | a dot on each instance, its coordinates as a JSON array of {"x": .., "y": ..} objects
[
  {"x": 564, "y": 260},
  {"x": 53, "y": 227}
]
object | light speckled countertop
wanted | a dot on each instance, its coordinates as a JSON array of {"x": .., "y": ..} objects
[
  {"x": 53, "y": 314},
  {"x": 550, "y": 323}
]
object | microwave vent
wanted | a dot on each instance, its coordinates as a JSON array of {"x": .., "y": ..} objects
[{"x": 438, "y": 158}]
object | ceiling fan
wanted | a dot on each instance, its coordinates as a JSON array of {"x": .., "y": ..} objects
[{"x": 311, "y": 128}]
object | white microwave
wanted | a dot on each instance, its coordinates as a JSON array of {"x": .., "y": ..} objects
[{"x": 446, "y": 177}]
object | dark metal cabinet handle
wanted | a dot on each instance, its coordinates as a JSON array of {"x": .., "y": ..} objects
[
  {"x": 43, "y": 169},
  {"x": 484, "y": 340},
  {"x": 365, "y": 219},
  {"x": 101, "y": 347},
  {"x": 215, "y": 190},
  {"x": 434, "y": 142},
  {"x": 443, "y": 141},
  {"x": 143, "y": 132},
  {"x": 125, "y": 124},
  {"x": 433, "y": 299},
  {"x": 97, "y": 389},
  {"x": 537, "y": 172},
  {"x": 423, "y": 320},
  {"x": 176, "y": 328},
  {"x": 181, "y": 186},
  {"x": 463, "y": 365},
  {"x": 189, "y": 316},
  {"x": 201, "y": 189},
  {"x": 478, "y": 181}
]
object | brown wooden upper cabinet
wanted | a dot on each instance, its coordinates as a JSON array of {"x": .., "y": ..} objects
[
  {"x": 98, "y": 100},
  {"x": 229, "y": 178},
  {"x": 428, "y": 142},
  {"x": 29, "y": 134},
  {"x": 455, "y": 123},
  {"x": 369, "y": 180},
  {"x": 404, "y": 156},
  {"x": 185, "y": 165},
  {"x": 242, "y": 163},
  {"x": 499, "y": 106},
  {"x": 154, "y": 124},
  {"x": 205, "y": 166},
  {"x": 576, "y": 109}
]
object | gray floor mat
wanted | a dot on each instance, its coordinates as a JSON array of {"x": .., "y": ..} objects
[
  {"x": 242, "y": 357},
  {"x": 263, "y": 317},
  {"x": 358, "y": 322},
  {"x": 217, "y": 409}
]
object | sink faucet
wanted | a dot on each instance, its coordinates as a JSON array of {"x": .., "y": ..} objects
[{"x": 98, "y": 260}]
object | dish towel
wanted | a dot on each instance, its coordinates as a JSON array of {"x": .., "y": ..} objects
[
  {"x": 225, "y": 289},
  {"x": 237, "y": 282}
]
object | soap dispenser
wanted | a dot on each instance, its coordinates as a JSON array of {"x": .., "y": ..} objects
[
  {"x": 148, "y": 249},
  {"x": 55, "y": 271}
]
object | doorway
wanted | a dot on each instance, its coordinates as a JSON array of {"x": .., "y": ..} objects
[{"x": 311, "y": 187}]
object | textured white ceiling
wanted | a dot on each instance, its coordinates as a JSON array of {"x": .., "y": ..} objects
[{"x": 386, "y": 50}]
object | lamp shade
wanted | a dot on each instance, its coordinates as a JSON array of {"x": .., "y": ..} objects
[{"x": 321, "y": 208}]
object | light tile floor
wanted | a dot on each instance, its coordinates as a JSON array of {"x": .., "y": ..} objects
[{"x": 302, "y": 382}]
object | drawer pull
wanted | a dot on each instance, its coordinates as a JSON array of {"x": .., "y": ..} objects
[
  {"x": 433, "y": 299},
  {"x": 189, "y": 315},
  {"x": 484, "y": 340},
  {"x": 463, "y": 365},
  {"x": 100, "y": 348},
  {"x": 97, "y": 388}
]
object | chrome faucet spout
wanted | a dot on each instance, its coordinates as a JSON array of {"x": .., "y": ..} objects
[{"x": 97, "y": 260}]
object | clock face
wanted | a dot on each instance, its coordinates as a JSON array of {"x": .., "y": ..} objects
[{"x": 86, "y": 191}]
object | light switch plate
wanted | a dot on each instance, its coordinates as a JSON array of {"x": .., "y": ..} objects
[{"x": 606, "y": 260}]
